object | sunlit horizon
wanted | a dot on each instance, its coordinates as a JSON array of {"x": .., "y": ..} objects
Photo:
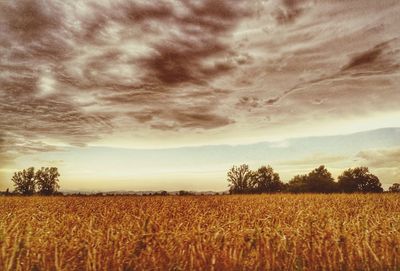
[{"x": 204, "y": 168}]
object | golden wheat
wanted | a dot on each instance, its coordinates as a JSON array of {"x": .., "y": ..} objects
[{"x": 251, "y": 232}]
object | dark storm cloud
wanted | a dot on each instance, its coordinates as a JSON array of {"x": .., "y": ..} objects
[
  {"x": 365, "y": 58},
  {"x": 68, "y": 78},
  {"x": 77, "y": 71},
  {"x": 382, "y": 58},
  {"x": 34, "y": 30},
  {"x": 179, "y": 61},
  {"x": 178, "y": 57},
  {"x": 30, "y": 20}
]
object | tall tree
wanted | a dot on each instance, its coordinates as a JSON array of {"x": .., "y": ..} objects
[
  {"x": 265, "y": 180},
  {"x": 24, "y": 181},
  {"x": 47, "y": 180},
  {"x": 359, "y": 179},
  {"x": 240, "y": 179}
]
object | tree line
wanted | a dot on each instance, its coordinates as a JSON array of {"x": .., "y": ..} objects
[
  {"x": 243, "y": 180},
  {"x": 44, "y": 181}
]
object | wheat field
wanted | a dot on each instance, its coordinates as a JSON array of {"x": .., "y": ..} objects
[{"x": 247, "y": 232}]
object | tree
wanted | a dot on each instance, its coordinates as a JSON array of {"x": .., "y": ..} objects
[
  {"x": 47, "y": 180},
  {"x": 240, "y": 179},
  {"x": 359, "y": 179},
  {"x": 265, "y": 180},
  {"x": 24, "y": 181},
  {"x": 395, "y": 188},
  {"x": 320, "y": 180},
  {"x": 317, "y": 181},
  {"x": 298, "y": 184}
]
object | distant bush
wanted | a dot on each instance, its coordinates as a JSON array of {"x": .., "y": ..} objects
[
  {"x": 162, "y": 193},
  {"x": 185, "y": 193},
  {"x": 395, "y": 188}
]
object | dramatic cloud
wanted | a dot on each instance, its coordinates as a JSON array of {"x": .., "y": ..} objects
[{"x": 199, "y": 72}]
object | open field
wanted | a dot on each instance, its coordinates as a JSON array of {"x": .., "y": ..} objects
[{"x": 251, "y": 232}]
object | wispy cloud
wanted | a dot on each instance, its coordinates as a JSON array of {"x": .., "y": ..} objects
[
  {"x": 316, "y": 159},
  {"x": 381, "y": 158}
]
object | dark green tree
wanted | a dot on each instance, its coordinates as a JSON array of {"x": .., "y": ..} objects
[
  {"x": 320, "y": 180},
  {"x": 395, "y": 188},
  {"x": 240, "y": 179},
  {"x": 359, "y": 179},
  {"x": 298, "y": 184},
  {"x": 24, "y": 181},
  {"x": 47, "y": 180},
  {"x": 265, "y": 180},
  {"x": 317, "y": 181}
]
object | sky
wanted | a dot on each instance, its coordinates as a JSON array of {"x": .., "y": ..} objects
[{"x": 149, "y": 95}]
